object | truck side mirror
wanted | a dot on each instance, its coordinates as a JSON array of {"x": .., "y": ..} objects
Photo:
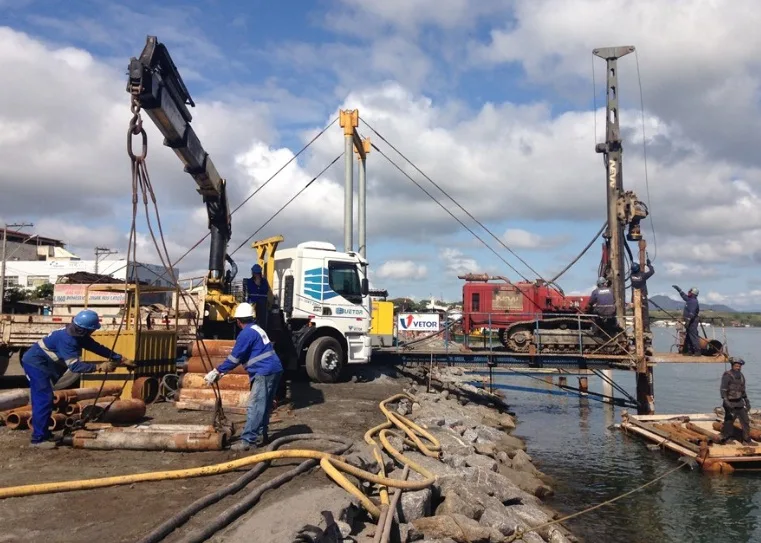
[
  {"x": 365, "y": 286},
  {"x": 288, "y": 296}
]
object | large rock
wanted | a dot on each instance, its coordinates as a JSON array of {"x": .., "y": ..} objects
[
  {"x": 415, "y": 504},
  {"x": 526, "y": 481},
  {"x": 486, "y": 482},
  {"x": 477, "y": 460},
  {"x": 362, "y": 457},
  {"x": 470, "y": 435},
  {"x": 522, "y": 462},
  {"x": 455, "y": 461},
  {"x": 457, "y": 527},
  {"x": 534, "y": 516},
  {"x": 488, "y": 449},
  {"x": 455, "y": 504},
  {"x": 489, "y": 434},
  {"x": 510, "y": 444},
  {"x": 500, "y": 519},
  {"x": 407, "y": 533}
]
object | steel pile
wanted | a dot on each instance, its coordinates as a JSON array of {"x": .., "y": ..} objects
[
  {"x": 70, "y": 405},
  {"x": 195, "y": 395}
]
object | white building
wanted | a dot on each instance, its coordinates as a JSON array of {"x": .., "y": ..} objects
[{"x": 30, "y": 273}]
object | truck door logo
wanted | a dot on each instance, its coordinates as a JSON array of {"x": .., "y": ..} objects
[{"x": 317, "y": 284}]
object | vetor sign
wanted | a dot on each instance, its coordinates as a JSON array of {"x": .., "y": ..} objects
[{"x": 418, "y": 322}]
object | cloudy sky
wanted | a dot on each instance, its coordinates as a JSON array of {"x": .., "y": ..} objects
[{"x": 493, "y": 100}]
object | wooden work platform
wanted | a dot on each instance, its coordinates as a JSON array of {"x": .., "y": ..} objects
[
  {"x": 696, "y": 436},
  {"x": 503, "y": 358}
]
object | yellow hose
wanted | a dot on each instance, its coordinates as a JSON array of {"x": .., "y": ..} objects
[{"x": 333, "y": 466}]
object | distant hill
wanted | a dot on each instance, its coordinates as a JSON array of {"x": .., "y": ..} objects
[{"x": 669, "y": 304}]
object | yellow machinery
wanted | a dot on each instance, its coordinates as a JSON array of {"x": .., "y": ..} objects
[
  {"x": 383, "y": 318},
  {"x": 153, "y": 351},
  {"x": 265, "y": 257}
]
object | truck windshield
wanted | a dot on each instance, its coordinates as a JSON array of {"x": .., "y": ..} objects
[{"x": 344, "y": 279}]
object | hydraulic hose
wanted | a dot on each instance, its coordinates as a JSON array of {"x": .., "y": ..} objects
[
  {"x": 334, "y": 467},
  {"x": 181, "y": 517}
]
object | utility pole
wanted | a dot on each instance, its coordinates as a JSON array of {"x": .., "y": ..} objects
[
  {"x": 4, "y": 256},
  {"x": 102, "y": 251},
  {"x": 624, "y": 209}
]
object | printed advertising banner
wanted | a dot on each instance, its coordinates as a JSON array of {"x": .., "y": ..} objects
[{"x": 418, "y": 322}]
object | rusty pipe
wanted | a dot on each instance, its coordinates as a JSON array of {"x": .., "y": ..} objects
[
  {"x": 13, "y": 399},
  {"x": 19, "y": 420},
  {"x": 63, "y": 397},
  {"x": 227, "y": 382},
  {"x": 148, "y": 441},
  {"x": 211, "y": 347},
  {"x": 76, "y": 408},
  {"x": 71, "y": 420},
  {"x": 483, "y": 277},
  {"x": 233, "y": 398},
  {"x": 146, "y": 389},
  {"x": 121, "y": 411},
  {"x": 56, "y": 422},
  {"x": 196, "y": 364},
  {"x": 208, "y": 405}
]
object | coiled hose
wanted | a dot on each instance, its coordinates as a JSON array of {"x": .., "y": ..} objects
[{"x": 333, "y": 466}]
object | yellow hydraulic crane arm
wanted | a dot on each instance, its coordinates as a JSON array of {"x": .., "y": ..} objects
[{"x": 157, "y": 88}]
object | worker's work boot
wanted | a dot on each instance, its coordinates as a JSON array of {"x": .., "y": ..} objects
[
  {"x": 242, "y": 445},
  {"x": 47, "y": 444},
  {"x": 262, "y": 440}
]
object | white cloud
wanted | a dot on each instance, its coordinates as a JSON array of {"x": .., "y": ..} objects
[
  {"x": 456, "y": 263},
  {"x": 402, "y": 270},
  {"x": 517, "y": 238},
  {"x": 682, "y": 270}
]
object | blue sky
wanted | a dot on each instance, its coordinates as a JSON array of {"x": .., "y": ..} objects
[{"x": 493, "y": 100}]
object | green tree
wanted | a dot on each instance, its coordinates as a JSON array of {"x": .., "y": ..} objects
[
  {"x": 14, "y": 295},
  {"x": 44, "y": 291}
]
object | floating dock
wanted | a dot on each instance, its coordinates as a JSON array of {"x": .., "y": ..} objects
[{"x": 697, "y": 436}]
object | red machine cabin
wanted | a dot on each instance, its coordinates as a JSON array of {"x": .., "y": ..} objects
[{"x": 498, "y": 305}]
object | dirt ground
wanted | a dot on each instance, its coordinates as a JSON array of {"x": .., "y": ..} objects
[{"x": 124, "y": 513}]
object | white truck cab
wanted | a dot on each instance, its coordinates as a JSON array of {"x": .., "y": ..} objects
[{"x": 323, "y": 295}]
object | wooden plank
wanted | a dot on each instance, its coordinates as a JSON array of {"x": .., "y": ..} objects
[
  {"x": 666, "y": 435},
  {"x": 706, "y": 432},
  {"x": 691, "y": 416},
  {"x": 659, "y": 440}
]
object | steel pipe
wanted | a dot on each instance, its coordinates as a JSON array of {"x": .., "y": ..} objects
[
  {"x": 227, "y": 382},
  {"x": 110, "y": 439},
  {"x": 57, "y": 421},
  {"x": 19, "y": 420},
  {"x": 71, "y": 420},
  {"x": 197, "y": 364},
  {"x": 12, "y": 399},
  {"x": 76, "y": 408},
  {"x": 208, "y": 405},
  {"x": 233, "y": 398},
  {"x": 211, "y": 347},
  {"x": 121, "y": 411},
  {"x": 146, "y": 389},
  {"x": 63, "y": 397}
]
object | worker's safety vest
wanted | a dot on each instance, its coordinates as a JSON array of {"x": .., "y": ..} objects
[{"x": 736, "y": 388}]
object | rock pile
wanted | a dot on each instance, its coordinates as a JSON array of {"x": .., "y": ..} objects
[{"x": 487, "y": 487}]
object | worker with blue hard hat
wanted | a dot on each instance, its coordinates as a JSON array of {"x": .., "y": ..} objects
[
  {"x": 48, "y": 359},
  {"x": 254, "y": 350},
  {"x": 639, "y": 281},
  {"x": 257, "y": 294}
]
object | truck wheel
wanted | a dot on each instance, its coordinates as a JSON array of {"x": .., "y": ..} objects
[{"x": 325, "y": 360}]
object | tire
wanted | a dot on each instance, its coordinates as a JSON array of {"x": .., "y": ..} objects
[{"x": 325, "y": 360}]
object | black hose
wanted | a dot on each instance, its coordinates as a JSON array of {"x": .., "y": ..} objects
[{"x": 230, "y": 514}]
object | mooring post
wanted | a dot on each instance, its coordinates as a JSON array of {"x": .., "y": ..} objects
[{"x": 645, "y": 392}]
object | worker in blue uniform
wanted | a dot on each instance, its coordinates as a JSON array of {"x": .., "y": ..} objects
[
  {"x": 257, "y": 290},
  {"x": 603, "y": 304},
  {"x": 48, "y": 359},
  {"x": 255, "y": 351},
  {"x": 691, "y": 316},
  {"x": 639, "y": 281}
]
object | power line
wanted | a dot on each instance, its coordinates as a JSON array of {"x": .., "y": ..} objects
[
  {"x": 644, "y": 152},
  {"x": 326, "y": 168},
  {"x": 479, "y": 223}
]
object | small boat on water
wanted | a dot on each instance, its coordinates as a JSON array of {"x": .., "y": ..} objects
[{"x": 697, "y": 436}]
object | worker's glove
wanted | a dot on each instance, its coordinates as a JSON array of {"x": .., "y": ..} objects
[
  {"x": 111, "y": 365},
  {"x": 676, "y": 287},
  {"x": 212, "y": 377},
  {"x": 127, "y": 362}
]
